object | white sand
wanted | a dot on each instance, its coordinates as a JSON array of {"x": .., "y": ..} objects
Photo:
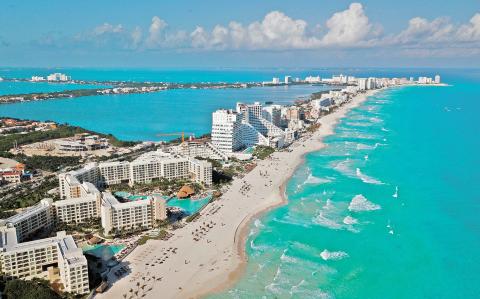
[{"x": 217, "y": 260}]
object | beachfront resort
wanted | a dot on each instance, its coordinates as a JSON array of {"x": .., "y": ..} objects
[{"x": 130, "y": 202}]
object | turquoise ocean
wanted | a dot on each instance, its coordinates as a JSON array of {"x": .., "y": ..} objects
[{"x": 388, "y": 209}]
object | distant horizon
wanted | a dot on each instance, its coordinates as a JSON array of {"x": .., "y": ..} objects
[{"x": 226, "y": 68}]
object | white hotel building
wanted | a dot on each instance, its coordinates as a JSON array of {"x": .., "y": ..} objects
[
  {"x": 247, "y": 126},
  {"x": 32, "y": 259},
  {"x": 144, "y": 169},
  {"x": 139, "y": 214},
  {"x": 80, "y": 208},
  {"x": 30, "y": 220}
]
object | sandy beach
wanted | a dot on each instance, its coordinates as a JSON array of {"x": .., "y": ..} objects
[{"x": 208, "y": 255}]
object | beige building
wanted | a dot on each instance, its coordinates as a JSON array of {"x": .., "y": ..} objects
[
  {"x": 32, "y": 219},
  {"x": 123, "y": 216},
  {"x": 201, "y": 171},
  {"x": 70, "y": 182},
  {"x": 79, "y": 209},
  {"x": 31, "y": 259},
  {"x": 149, "y": 166}
]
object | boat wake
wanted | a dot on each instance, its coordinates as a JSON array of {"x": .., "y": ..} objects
[{"x": 395, "y": 195}]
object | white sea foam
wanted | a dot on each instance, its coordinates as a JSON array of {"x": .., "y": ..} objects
[
  {"x": 258, "y": 223},
  {"x": 360, "y": 203},
  {"x": 333, "y": 255},
  {"x": 385, "y": 130},
  {"x": 288, "y": 259},
  {"x": 316, "y": 180},
  {"x": 328, "y": 205},
  {"x": 375, "y": 119},
  {"x": 322, "y": 220},
  {"x": 361, "y": 146},
  {"x": 344, "y": 167},
  {"x": 292, "y": 221},
  {"x": 258, "y": 247},
  {"x": 349, "y": 220},
  {"x": 295, "y": 288},
  {"x": 365, "y": 157},
  {"x": 367, "y": 179}
]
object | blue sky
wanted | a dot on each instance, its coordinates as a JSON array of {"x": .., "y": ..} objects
[{"x": 213, "y": 33}]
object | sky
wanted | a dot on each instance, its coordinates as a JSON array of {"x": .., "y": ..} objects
[{"x": 248, "y": 33}]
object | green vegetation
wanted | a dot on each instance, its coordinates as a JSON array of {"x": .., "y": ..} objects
[
  {"x": 88, "y": 226},
  {"x": 262, "y": 152},
  {"x": 29, "y": 289},
  {"x": 62, "y": 131},
  {"x": 49, "y": 163},
  {"x": 313, "y": 128},
  {"x": 162, "y": 235},
  {"x": 164, "y": 185},
  {"x": 25, "y": 195},
  {"x": 193, "y": 217}
]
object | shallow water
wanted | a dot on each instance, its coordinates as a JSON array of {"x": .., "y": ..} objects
[{"x": 388, "y": 209}]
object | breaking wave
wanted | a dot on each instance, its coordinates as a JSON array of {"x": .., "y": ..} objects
[
  {"x": 349, "y": 220},
  {"x": 367, "y": 179},
  {"x": 316, "y": 180},
  {"x": 360, "y": 203},
  {"x": 333, "y": 255}
]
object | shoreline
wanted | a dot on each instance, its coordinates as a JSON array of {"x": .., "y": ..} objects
[
  {"x": 242, "y": 232},
  {"x": 215, "y": 262}
]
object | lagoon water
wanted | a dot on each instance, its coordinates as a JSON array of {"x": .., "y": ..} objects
[
  {"x": 143, "y": 116},
  {"x": 389, "y": 209}
]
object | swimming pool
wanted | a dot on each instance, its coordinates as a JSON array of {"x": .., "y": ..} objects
[
  {"x": 105, "y": 252},
  {"x": 129, "y": 196},
  {"x": 190, "y": 206}
]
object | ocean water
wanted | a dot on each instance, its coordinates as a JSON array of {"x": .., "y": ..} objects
[
  {"x": 389, "y": 209},
  {"x": 143, "y": 116}
]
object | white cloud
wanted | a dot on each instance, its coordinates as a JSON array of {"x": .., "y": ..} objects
[
  {"x": 156, "y": 32},
  {"x": 275, "y": 31},
  {"x": 421, "y": 30},
  {"x": 107, "y": 28},
  {"x": 136, "y": 36},
  {"x": 350, "y": 27},
  {"x": 470, "y": 32}
]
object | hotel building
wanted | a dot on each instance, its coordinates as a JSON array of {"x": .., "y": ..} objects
[
  {"x": 81, "y": 208},
  {"x": 201, "y": 149},
  {"x": 144, "y": 169},
  {"x": 234, "y": 130},
  {"x": 30, "y": 220},
  {"x": 226, "y": 130},
  {"x": 139, "y": 214},
  {"x": 32, "y": 259}
]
